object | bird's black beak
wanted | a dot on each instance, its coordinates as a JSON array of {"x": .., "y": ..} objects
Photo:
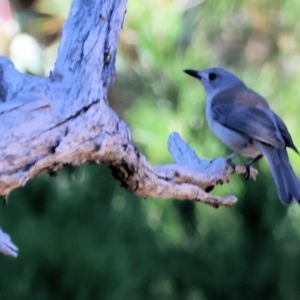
[{"x": 193, "y": 73}]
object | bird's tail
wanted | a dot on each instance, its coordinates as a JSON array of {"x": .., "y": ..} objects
[{"x": 287, "y": 183}]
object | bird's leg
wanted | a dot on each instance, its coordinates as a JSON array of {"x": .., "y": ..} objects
[
  {"x": 249, "y": 163},
  {"x": 232, "y": 155}
]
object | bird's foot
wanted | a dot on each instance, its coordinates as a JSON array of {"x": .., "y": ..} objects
[
  {"x": 231, "y": 164},
  {"x": 249, "y": 163},
  {"x": 247, "y": 174}
]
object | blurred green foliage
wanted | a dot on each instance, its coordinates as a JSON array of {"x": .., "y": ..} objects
[{"x": 83, "y": 237}]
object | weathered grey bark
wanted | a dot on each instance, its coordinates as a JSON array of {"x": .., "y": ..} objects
[
  {"x": 66, "y": 119},
  {"x": 7, "y": 247}
]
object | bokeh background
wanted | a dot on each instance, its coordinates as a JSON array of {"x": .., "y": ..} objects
[{"x": 82, "y": 236}]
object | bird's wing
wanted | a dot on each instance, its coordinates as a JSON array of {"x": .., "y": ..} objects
[
  {"x": 285, "y": 133},
  {"x": 254, "y": 119}
]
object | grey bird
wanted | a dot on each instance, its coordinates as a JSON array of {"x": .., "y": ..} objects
[{"x": 244, "y": 122}]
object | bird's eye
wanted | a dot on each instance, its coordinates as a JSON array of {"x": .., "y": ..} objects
[{"x": 212, "y": 76}]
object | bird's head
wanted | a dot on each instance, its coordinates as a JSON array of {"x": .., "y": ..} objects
[{"x": 215, "y": 80}]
